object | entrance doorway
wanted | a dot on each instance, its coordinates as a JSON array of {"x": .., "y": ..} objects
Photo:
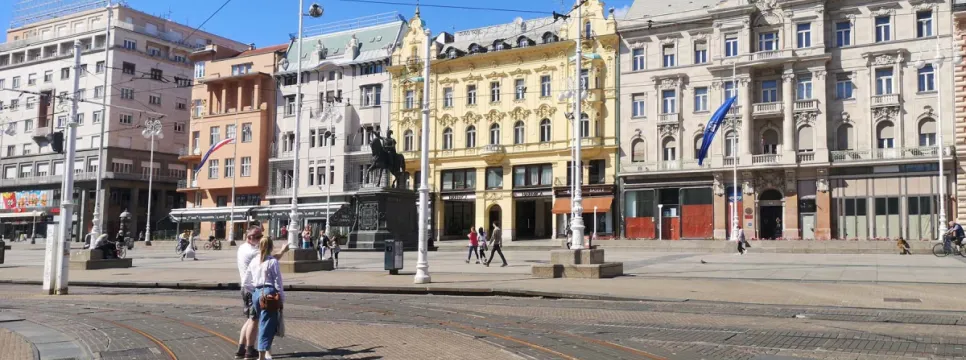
[
  {"x": 808, "y": 226},
  {"x": 494, "y": 216},
  {"x": 526, "y": 218},
  {"x": 770, "y": 220},
  {"x": 458, "y": 218}
]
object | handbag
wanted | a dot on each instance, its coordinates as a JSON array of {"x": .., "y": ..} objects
[{"x": 270, "y": 302}]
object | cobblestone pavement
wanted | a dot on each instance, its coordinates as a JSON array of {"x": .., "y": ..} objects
[
  {"x": 203, "y": 325},
  {"x": 13, "y": 346}
]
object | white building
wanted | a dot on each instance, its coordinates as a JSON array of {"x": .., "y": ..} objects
[
  {"x": 345, "y": 89},
  {"x": 149, "y": 77},
  {"x": 835, "y": 118}
]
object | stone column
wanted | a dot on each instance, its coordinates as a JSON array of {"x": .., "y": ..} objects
[
  {"x": 223, "y": 104},
  {"x": 748, "y": 205},
  {"x": 211, "y": 102},
  {"x": 820, "y": 132},
  {"x": 788, "y": 121},
  {"x": 823, "y": 206},
  {"x": 790, "y": 216},
  {"x": 720, "y": 207},
  {"x": 238, "y": 100},
  {"x": 256, "y": 96},
  {"x": 744, "y": 138}
]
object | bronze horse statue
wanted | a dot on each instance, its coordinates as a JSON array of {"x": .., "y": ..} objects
[{"x": 383, "y": 159}]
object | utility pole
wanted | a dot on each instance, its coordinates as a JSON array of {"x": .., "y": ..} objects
[
  {"x": 577, "y": 210},
  {"x": 98, "y": 197},
  {"x": 422, "y": 263},
  {"x": 55, "y": 264}
]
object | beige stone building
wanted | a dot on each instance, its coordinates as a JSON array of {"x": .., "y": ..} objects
[{"x": 836, "y": 118}]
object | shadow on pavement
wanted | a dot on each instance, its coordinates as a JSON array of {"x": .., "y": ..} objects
[{"x": 339, "y": 351}]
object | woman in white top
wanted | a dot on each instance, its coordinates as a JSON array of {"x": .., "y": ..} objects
[{"x": 265, "y": 278}]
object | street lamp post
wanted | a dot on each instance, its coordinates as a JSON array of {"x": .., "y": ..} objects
[
  {"x": 315, "y": 11},
  {"x": 98, "y": 197},
  {"x": 152, "y": 131},
  {"x": 577, "y": 209},
  {"x": 422, "y": 262}
]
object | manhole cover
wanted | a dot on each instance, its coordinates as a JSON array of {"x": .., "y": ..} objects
[{"x": 902, "y": 300}]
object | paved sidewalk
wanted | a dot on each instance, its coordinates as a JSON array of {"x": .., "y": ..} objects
[{"x": 15, "y": 347}]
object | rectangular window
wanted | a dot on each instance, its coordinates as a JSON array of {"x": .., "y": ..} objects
[
  {"x": 448, "y": 97},
  {"x": 730, "y": 89},
  {"x": 668, "y": 55},
  {"x": 80, "y": 119},
  {"x": 927, "y": 79},
  {"x": 769, "y": 91},
  {"x": 700, "y": 99},
  {"x": 459, "y": 179},
  {"x": 700, "y": 52},
  {"x": 241, "y": 69},
  {"x": 179, "y": 127},
  {"x": 804, "y": 87},
  {"x": 98, "y": 91},
  {"x": 127, "y": 93},
  {"x": 596, "y": 173},
  {"x": 65, "y": 73},
  {"x": 883, "y": 28},
  {"x": 494, "y": 178},
  {"x": 731, "y": 46},
  {"x": 31, "y": 79},
  {"x": 229, "y": 168},
  {"x": 470, "y": 94},
  {"x": 533, "y": 176},
  {"x": 638, "y": 105},
  {"x": 768, "y": 41},
  {"x": 181, "y": 104},
  {"x": 289, "y": 80},
  {"x": 668, "y": 102},
  {"x": 924, "y": 23},
  {"x": 126, "y": 119},
  {"x": 246, "y": 166},
  {"x": 157, "y": 74},
  {"x": 372, "y": 95},
  {"x": 98, "y": 115},
  {"x": 290, "y": 105},
  {"x": 639, "y": 60},
  {"x": 130, "y": 44},
  {"x": 81, "y": 94},
  {"x": 213, "y": 168},
  {"x": 545, "y": 86},
  {"x": 16, "y": 82},
  {"x": 154, "y": 99},
  {"x": 28, "y": 125},
  {"x": 83, "y": 70},
  {"x": 48, "y": 76},
  {"x": 129, "y": 68},
  {"x": 230, "y": 131},
  {"x": 99, "y": 67},
  {"x": 246, "y": 133},
  {"x": 520, "y": 89},
  {"x": 410, "y": 99},
  {"x": 804, "y": 35},
  {"x": 883, "y": 81},
  {"x": 584, "y": 79},
  {"x": 843, "y": 33},
  {"x": 199, "y": 69},
  {"x": 495, "y": 91},
  {"x": 214, "y": 135}
]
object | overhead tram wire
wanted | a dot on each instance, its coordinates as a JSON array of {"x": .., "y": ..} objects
[{"x": 446, "y": 6}]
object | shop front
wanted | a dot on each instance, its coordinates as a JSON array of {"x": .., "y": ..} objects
[
  {"x": 669, "y": 213},
  {"x": 532, "y": 213},
  {"x": 598, "y": 209},
  {"x": 459, "y": 214}
]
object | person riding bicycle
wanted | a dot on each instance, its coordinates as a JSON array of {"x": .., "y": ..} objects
[{"x": 955, "y": 233}]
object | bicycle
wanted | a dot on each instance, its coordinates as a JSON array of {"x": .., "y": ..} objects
[
  {"x": 215, "y": 244},
  {"x": 948, "y": 247}
]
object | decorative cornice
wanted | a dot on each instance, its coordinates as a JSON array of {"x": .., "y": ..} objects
[
  {"x": 805, "y": 118},
  {"x": 545, "y": 68},
  {"x": 519, "y": 113},
  {"x": 472, "y": 77},
  {"x": 447, "y": 80},
  {"x": 545, "y": 111},
  {"x": 885, "y": 113},
  {"x": 669, "y": 129},
  {"x": 519, "y": 71},
  {"x": 446, "y": 120},
  {"x": 471, "y": 118},
  {"x": 494, "y": 75},
  {"x": 495, "y": 116},
  {"x": 819, "y": 74}
]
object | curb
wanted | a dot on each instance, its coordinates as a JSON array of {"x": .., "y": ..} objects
[{"x": 397, "y": 290}]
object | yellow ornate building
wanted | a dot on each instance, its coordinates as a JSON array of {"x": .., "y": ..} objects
[{"x": 500, "y": 139}]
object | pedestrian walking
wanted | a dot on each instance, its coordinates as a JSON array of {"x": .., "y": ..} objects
[
  {"x": 903, "y": 246},
  {"x": 474, "y": 245},
  {"x": 189, "y": 251},
  {"x": 307, "y": 238},
  {"x": 141, "y": 236},
  {"x": 246, "y": 253},
  {"x": 323, "y": 245},
  {"x": 481, "y": 242},
  {"x": 264, "y": 276},
  {"x": 743, "y": 244},
  {"x": 496, "y": 242},
  {"x": 336, "y": 248}
]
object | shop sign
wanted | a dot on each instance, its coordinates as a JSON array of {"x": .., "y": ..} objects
[
  {"x": 532, "y": 193},
  {"x": 28, "y": 199},
  {"x": 456, "y": 197},
  {"x": 597, "y": 190}
]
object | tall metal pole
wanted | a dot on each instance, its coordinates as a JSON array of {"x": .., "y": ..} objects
[
  {"x": 147, "y": 229},
  {"x": 734, "y": 156},
  {"x": 422, "y": 263},
  {"x": 98, "y": 198},
  {"x": 294, "y": 218},
  {"x": 327, "y": 176},
  {"x": 55, "y": 265},
  {"x": 939, "y": 142},
  {"x": 234, "y": 175},
  {"x": 577, "y": 222}
]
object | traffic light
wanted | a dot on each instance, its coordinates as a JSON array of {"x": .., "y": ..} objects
[{"x": 57, "y": 142}]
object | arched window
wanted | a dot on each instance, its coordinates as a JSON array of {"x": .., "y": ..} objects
[
  {"x": 670, "y": 149},
  {"x": 495, "y": 134},
  {"x": 452, "y": 53},
  {"x": 548, "y": 37},
  {"x": 475, "y": 49},
  {"x": 471, "y": 137},
  {"x": 584, "y": 125},
  {"x": 885, "y": 133},
  {"x": 588, "y": 30},
  {"x": 447, "y": 139},
  {"x": 730, "y": 144},
  {"x": 523, "y": 42},
  {"x": 844, "y": 137},
  {"x": 769, "y": 142},
  {"x": 927, "y": 132},
  {"x": 545, "y": 134},
  {"x": 638, "y": 150},
  {"x": 499, "y": 45},
  {"x": 519, "y": 134},
  {"x": 698, "y": 140},
  {"x": 806, "y": 139},
  {"x": 408, "y": 140}
]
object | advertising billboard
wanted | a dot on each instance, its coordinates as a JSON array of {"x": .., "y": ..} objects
[{"x": 27, "y": 199}]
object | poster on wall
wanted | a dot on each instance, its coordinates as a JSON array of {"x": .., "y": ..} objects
[{"x": 26, "y": 199}]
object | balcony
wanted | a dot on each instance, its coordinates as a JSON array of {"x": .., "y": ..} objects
[
  {"x": 185, "y": 184},
  {"x": 276, "y": 154},
  {"x": 275, "y": 191},
  {"x": 770, "y": 108},
  {"x": 670, "y": 118},
  {"x": 734, "y": 111},
  {"x": 666, "y": 166},
  {"x": 805, "y": 157},
  {"x": 911, "y": 153},
  {"x": 185, "y": 155},
  {"x": 588, "y": 142},
  {"x": 766, "y": 159},
  {"x": 357, "y": 148},
  {"x": 730, "y": 161},
  {"x": 493, "y": 149},
  {"x": 171, "y": 37},
  {"x": 885, "y": 100},
  {"x": 806, "y": 105}
]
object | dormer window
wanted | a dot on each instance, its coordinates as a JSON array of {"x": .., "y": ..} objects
[
  {"x": 523, "y": 42},
  {"x": 549, "y": 38},
  {"x": 475, "y": 49},
  {"x": 452, "y": 54},
  {"x": 498, "y": 45},
  {"x": 323, "y": 52}
]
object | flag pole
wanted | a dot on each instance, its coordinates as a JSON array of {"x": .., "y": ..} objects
[
  {"x": 734, "y": 155},
  {"x": 234, "y": 174}
]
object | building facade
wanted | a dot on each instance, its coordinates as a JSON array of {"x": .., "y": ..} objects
[
  {"x": 959, "y": 93},
  {"x": 234, "y": 98},
  {"x": 149, "y": 74},
  {"x": 833, "y": 133},
  {"x": 345, "y": 103},
  {"x": 500, "y": 139}
]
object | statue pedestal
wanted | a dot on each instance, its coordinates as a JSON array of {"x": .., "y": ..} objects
[
  {"x": 303, "y": 260},
  {"x": 383, "y": 214},
  {"x": 580, "y": 264},
  {"x": 93, "y": 259}
]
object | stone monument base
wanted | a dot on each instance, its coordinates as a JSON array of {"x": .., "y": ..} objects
[
  {"x": 93, "y": 259},
  {"x": 303, "y": 260},
  {"x": 578, "y": 264},
  {"x": 384, "y": 214}
]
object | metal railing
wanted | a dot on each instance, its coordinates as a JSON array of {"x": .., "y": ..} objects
[{"x": 766, "y": 159}]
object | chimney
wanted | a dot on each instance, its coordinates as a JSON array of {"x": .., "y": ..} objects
[{"x": 251, "y": 46}]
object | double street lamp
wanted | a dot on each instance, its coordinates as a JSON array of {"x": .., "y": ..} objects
[{"x": 152, "y": 131}]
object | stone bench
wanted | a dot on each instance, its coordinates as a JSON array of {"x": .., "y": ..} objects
[{"x": 94, "y": 260}]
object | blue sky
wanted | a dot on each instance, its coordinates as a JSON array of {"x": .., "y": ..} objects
[{"x": 237, "y": 19}]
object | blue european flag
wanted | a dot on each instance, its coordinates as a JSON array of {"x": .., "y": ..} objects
[{"x": 712, "y": 128}]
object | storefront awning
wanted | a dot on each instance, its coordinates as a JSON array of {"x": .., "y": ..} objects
[
  {"x": 562, "y": 205},
  {"x": 21, "y": 214}
]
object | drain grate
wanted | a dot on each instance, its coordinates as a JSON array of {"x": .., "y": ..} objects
[{"x": 902, "y": 300}]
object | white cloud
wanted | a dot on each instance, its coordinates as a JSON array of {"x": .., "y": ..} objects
[{"x": 621, "y": 12}]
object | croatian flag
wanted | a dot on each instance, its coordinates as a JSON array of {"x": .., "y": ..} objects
[
  {"x": 211, "y": 150},
  {"x": 712, "y": 128}
]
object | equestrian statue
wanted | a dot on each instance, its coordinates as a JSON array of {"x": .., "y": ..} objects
[{"x": 384, "y": 157}]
